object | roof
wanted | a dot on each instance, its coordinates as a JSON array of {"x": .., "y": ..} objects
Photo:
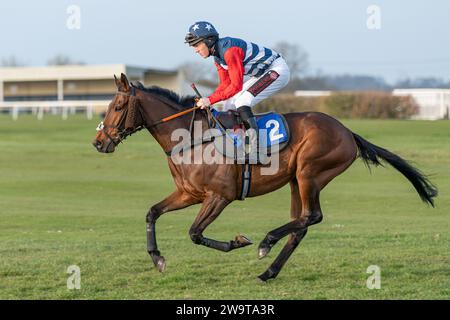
[
  {"x": 74, "y": 72},
  {"x": 164, "y": 72}
]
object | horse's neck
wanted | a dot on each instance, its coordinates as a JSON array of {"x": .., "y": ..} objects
[{"x": 163, "y": 131}]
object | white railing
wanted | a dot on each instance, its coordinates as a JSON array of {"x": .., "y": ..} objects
[{"x": 64, "y": 107}]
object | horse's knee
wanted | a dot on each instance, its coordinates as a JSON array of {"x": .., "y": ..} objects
[{"x": 152, "y": 215}]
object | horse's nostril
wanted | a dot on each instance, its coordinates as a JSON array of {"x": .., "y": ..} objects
[{"x": 97, "y": 144}]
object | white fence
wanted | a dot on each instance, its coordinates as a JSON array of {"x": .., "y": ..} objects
[{"x": 65, "y": 107}]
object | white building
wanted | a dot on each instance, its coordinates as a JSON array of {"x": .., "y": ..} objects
[{"x": 433, "y": 104}]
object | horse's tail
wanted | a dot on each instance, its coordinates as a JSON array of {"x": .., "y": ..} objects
[{"x": 371, "y": 154}]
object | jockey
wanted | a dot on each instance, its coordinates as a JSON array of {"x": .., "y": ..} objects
[{"x": 235, "y": 58}]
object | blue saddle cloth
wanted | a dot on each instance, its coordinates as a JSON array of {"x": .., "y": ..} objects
[{"x": 271, "y": 125}]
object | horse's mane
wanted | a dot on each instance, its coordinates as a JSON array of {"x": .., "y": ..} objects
[{"x": 184, "y": 101}]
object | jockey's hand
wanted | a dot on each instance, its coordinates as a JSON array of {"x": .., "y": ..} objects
[{"x": 203, "y": 103}]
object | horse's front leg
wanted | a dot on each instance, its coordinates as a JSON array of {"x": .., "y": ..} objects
[
  {"x": 211, "y": 208},
  {"x": 175, "y": 201}
]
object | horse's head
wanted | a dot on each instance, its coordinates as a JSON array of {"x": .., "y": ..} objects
[{"x": 121, "y": 119}]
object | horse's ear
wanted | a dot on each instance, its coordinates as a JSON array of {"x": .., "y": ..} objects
[
  {"x": 125, "y": 82},
  {"x": 118, "y": 84}
]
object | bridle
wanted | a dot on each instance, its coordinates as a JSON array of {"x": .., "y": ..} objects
[{"x": 124, "y": 133}]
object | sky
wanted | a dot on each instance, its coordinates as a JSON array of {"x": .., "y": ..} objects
[{"x": 411, "y": 38}]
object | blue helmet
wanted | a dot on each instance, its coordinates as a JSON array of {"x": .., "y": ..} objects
[{"x": 202, "y": 31}]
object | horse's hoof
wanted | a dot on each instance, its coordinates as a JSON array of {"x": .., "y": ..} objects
[
  {"x": 268, "y": 274},
  {"x": 161, "y": 264},
  {"x": 261, "y": 280},
  {"x": 243, "y": 240},
  {"x": 263, "y": 251}
]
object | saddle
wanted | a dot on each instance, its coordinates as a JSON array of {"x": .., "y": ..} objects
[{"x": 229, "y": 119}]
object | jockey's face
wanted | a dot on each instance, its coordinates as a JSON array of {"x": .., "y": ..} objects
[{"x": 202, "y": 49}]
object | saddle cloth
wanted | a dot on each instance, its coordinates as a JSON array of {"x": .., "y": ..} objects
[{"x": 273, "y": 131}]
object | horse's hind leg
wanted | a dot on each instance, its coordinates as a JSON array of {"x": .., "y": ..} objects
[
  {"x": 212, "y": 207},
  {"x": 296, "y": 207},
  {"x": 309, "y": 214}
]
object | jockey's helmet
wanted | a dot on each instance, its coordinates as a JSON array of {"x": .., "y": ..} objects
[{"x": 202, "y": 31}]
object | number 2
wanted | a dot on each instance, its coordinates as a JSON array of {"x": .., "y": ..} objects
[{"x": 273, "y": 133}]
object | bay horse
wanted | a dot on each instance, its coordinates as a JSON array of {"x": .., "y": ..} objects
[{"x": 320, "y": 149}]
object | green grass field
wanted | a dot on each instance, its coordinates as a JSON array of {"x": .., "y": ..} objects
[{"x": 62, "y": 204}]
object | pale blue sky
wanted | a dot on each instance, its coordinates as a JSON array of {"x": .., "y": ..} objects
[{"x": 413, "y": 40}]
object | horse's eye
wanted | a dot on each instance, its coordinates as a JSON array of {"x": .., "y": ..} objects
[{"x": 118, "y": 108}]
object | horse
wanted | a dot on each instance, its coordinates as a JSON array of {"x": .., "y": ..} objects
[{"x": 320, "y": 148}]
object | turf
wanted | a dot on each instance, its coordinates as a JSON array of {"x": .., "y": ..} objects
[{"x": 63, "y": 204}]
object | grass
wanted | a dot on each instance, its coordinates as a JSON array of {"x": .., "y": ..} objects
[{"x": 62, "y": 204}]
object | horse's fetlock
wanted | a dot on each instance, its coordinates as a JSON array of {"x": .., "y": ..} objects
[
  {"x": 195, "y": 237},
  {"x": 316, "y": 217}
]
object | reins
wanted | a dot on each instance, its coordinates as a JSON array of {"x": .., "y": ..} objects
[
  {"x": 174, "y": 116},
  {"x": 124, "y": 133}
]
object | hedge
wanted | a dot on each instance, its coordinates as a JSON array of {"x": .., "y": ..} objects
[{"x": 379, "y": 105}]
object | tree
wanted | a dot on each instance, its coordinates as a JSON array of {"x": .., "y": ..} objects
[
  {"x": 62, "y": 60},
  {"x": 296, "y": 57},
  {"x": 11, "y": 61},
  {"x": 196, "y": 71},
  {"x": 422, "y": 83}
]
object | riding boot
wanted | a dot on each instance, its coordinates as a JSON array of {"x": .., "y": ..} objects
[{"x": 246, "y": 114}]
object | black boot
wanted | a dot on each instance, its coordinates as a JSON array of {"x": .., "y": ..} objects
[{"x": 246, "y": 114}]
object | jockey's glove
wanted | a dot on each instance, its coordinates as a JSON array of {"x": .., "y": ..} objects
[{"x": 203, "y": 103}]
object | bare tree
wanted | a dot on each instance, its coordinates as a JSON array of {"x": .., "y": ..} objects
[
  {"x": 11, "y": 61},
  {"x": 296, "y": 57},
  {"x": 62, "y": 60},
  {"x": 196, "y": 71}
]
